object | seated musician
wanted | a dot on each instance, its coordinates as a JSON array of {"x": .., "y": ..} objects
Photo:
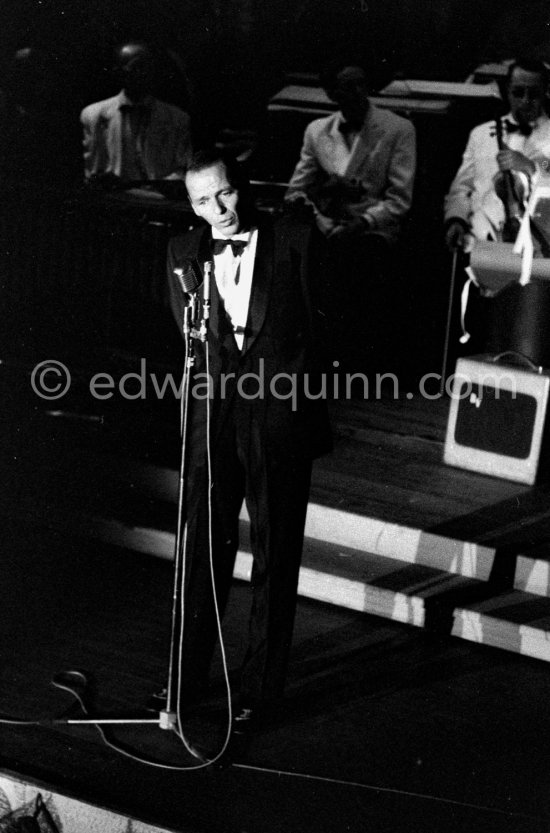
[
  {"x": 479, "y": 204},
  {"x": 487, "y": 198},
  {"x": 356, "y": 172},
  {"x": 133, "y": 136}
]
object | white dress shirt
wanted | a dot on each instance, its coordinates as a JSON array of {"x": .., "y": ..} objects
[{"x": 233, "y": 275}]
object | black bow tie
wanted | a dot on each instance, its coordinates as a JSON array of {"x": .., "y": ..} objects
[
  {"x": 515, "y": 127},
  {"x": 220, "y": 245}
]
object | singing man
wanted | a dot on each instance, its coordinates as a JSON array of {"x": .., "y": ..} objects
[{"x": 266, "y": 426}]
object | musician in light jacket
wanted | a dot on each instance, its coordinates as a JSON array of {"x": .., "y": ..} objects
[
  {"x": 133, "y": 135},
  {"x": 473, "y": 208},
  {"x": 357, "y": 165},
  {"x": 356, "y": 173}
]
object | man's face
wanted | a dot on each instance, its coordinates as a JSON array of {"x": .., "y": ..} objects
[
  {"x": 214, "y": 199},
  {"x": 525, "y": 95},
  {"x": 136, "y": 70},
  {"x": 351, "y": 93}
]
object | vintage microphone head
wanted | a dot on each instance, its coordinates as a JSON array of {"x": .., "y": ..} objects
[{"x": 189, "y": 276}]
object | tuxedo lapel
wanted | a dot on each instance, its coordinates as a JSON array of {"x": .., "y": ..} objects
[{"x": 261, "y": 283}]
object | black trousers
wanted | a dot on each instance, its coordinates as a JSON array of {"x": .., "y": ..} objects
[{"x": 276, "y": 490}]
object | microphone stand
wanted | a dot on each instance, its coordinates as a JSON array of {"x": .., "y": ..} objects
[{"x": 168, "y": 718}]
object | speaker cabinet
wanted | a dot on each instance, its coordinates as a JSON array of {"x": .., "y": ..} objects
[{"x": 497, "y": 419}]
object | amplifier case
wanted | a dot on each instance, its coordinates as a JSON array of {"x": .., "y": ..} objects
[{"x": 497, "y": 419}]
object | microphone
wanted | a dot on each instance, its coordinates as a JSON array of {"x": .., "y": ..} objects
[
  {"x": 189, "y": 281},
  {"x": 188, "y": 277}
]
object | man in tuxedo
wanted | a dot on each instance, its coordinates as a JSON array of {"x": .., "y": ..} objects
[
  {"x": 265, "y": 425},
  {"x": 133, "y": 136},
  {"x": 356, "y": 171}
]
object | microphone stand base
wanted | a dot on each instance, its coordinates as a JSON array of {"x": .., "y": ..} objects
[{"x": 167, "y": 719}]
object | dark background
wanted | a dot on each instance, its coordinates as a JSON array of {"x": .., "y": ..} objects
[{"x": 234, "y": 53}]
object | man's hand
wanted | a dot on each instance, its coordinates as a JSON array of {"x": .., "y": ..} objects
[
  {"x": 299, "y": 206},
  {"x": 297, "y": 198},
  {"x": 324, "y": 224},
  {"x": 455, "y": 236},
  {"x": 349, "y": 228},
  {"x": 513, "y": 160}
]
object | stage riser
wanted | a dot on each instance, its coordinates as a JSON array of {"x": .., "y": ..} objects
[
  {"x": 364, "y": 582},
  {"x": 366, "y": 553},
  {"x": 404, "y": 597},
  {"x": 359, "y": 532},
  {"x": 530, "y": 640}
]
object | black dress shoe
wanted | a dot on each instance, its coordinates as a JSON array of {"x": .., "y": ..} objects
[
  {"x": 158, "y": 701},
  {"x": 245, "y": 720}
]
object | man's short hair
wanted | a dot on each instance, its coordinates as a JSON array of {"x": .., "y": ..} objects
[
  {"x": 328, "y": 77},
  {"x": 207, "y": 158},
  {"x": 530, "y": 65},
  {"x": 378, "y": 72},
  {"x": 139, "y": 45}
]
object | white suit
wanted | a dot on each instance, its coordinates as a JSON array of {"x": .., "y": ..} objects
[{"x": 472, "y": 197}]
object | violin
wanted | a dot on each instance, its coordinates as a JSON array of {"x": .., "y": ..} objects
[{"x": 509, "y": 192}]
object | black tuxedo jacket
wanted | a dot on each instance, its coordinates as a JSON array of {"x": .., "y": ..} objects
[{"x": 272, "y": 388}]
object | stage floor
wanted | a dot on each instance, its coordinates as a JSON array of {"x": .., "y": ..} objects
[{"x": 386, "y": 727}]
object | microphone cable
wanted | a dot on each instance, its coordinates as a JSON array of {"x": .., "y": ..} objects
[{"x": 209, "y": 484}]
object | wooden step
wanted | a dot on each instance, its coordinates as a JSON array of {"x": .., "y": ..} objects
[
  {"x": 533, "y": 571},
  {"x": 331, "y": 571},
  {"x": 338, "y": 575},
  {"x": 515, "y": 621},
  {"x": 375, "y": 584},
  {"x": 347, "y": 529}
]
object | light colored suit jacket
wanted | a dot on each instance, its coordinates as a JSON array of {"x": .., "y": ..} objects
[
  {"x": 472, "y": 197},
  {"x": 164, "y": 144},
  {"x": 378, "y": 175}
]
